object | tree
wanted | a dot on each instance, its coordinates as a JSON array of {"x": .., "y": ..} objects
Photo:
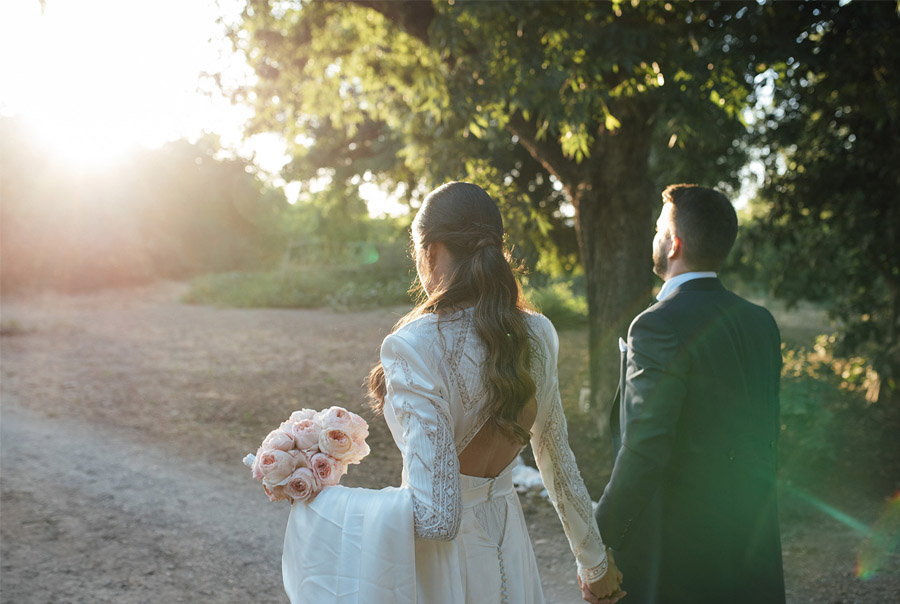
[
  {"x": 171, "y": 212},
  {"x": 831, "y": 143},
  {"x": 588, "y": 103}
]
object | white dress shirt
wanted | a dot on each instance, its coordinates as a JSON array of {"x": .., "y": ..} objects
[{"x": 670, "y": 285}]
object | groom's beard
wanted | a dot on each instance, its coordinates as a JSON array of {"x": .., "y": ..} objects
[{"x": 661, "y": 258}]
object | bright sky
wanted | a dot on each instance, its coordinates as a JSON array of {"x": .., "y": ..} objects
[{"x": 94, "y": 78}]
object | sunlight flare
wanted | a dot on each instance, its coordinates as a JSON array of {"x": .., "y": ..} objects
[
  {"x": 94, "y": 79},
  {"x": 880, "y": 540},
  {"x": 883, "y": 541}
]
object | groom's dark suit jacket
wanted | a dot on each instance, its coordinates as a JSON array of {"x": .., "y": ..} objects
[{"x": 690, "y": 508}]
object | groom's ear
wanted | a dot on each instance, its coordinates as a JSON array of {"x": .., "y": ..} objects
[{"x": 676, "y": 249}]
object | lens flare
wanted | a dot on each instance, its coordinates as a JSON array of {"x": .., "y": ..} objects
[
  {"x": 882, "y": 541},
  {"x": 831, "y": 511}
]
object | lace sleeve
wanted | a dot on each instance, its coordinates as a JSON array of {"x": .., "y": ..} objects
[
  {"x": 430, "y": 464},
  {"x": 559, "y": 472}
]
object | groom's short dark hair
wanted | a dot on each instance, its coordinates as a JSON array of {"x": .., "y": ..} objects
[{"x": 706, "y": 223}]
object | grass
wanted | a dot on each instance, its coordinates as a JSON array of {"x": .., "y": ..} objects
[
  {"x": 298, "y": 288},
  {"x": 558, "y": 302}
]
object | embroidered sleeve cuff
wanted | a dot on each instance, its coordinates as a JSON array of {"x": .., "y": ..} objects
[{"x": 591, "y": 575}]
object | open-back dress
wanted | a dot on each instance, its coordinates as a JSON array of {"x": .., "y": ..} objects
[{"x": 443, "y": 537}]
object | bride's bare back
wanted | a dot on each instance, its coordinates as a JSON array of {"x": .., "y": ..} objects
[{"x": 490, "y": 451}]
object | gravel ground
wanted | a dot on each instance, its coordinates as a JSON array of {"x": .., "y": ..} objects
[{"x": 123, "y": 421}]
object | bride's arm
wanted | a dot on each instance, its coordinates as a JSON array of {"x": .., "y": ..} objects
[
  {"x": 559, "y": 472},
  {"x": 429, "y": 455}
]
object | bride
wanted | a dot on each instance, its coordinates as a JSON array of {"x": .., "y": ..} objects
[{"x": 466, "y": 380}]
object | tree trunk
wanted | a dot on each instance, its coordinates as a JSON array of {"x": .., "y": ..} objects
[
  {"x": 614, "y": 201},
  {"x": 614, "y": 220}
]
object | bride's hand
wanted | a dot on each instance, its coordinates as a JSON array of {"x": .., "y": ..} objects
[{"x": 607, "y": 589}]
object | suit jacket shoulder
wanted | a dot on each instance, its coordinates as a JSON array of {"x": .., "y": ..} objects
[{"x": 702, "y": 301}]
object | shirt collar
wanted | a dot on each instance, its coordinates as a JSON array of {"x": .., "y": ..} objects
[{"x": 670, "y": 285}]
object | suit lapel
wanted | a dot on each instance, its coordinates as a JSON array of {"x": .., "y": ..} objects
[{"x": 615, "y": 412}]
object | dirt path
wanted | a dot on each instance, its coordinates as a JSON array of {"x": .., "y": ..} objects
[
  {"x": 123, "y": 419},
  {"x": 94, "y": 515}
]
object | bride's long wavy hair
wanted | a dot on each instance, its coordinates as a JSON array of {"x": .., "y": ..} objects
[{"x": 465, "y": 219}]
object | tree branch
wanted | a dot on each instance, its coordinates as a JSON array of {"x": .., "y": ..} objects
[
  {"x": 547, "y": 153},
  {"x": 413, "y": 16}
]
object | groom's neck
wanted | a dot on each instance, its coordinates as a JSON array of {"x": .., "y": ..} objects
[{"x": 676, "y": 267}]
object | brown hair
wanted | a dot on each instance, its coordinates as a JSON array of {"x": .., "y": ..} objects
[
  {"x": 705, "y": 221},
  {"x": 465, "y": 219}
]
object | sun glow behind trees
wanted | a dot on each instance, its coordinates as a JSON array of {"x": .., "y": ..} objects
[{"x": 95, "y": 79}]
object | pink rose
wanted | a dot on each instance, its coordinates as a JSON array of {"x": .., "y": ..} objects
[
  {"x": 341, "y": 419},
  {"x": 254, "y": 468},
  {"x": 327, "y": 469},
  {"x": 337, "y": 443},
  {"x": 305, "y": 433},
  {"x": 278, "y": 439},
  {"x": 301, "y": 485},
  {"x": 360, "y": 427},
  {"x": 275, "y": 493},
  {"x": 275, "y": 465},
  {"x": 296, "y": 416},
  {"x": 360, "y": 450},
  {"x": 335, "y": 418},
  {"x": 300, "y": 458}
]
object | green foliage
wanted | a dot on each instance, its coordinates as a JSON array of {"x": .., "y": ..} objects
[
  {"x": 560, "y": 304},
  {"x": 361, "y": 293},
  {"x": 335, "y": 257},
  {"x": 328, "y": 227},
  {"x": 830, "y": 224},
  {"x": 168, "y": 213},
  {"x": 503, "y": 94},
  {"x": 812, "y": 396},
  {"x": 599, "y": 106},
  {"x": 591, "y": 105},
  {"x": 300, "y": 288},
  {"x": 829, "y": 428},
  {"x": 809, "y": 421}
]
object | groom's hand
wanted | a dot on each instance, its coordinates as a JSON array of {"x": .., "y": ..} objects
[
  {"x": 608, "y": 590},
  {"x": 588, "y": 596}
]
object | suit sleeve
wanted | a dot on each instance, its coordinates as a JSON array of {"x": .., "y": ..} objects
[{"x": 655, "y": 389}]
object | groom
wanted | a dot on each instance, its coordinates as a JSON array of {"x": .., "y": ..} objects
[{"x": 689, "y": 511}]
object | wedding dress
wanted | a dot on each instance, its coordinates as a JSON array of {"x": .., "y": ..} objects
[{"x": 442, "y": 537}]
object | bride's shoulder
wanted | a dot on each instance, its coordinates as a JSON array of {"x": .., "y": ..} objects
[
  {"x": 419, "y": 335},
  {"x": 541, "y": 327},
  {"x": 419, "y": 328}
]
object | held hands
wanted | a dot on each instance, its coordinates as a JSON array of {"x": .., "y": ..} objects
[{"x": 608, "y": 589}]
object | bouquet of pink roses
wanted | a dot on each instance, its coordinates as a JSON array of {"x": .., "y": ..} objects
[{"x": 308, "y": 452}]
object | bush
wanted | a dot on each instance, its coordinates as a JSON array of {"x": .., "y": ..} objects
[
  {"x": 809, "y": 414},
  {"x": 830, "y": 429},
  {"x": 300, "y": 288},
  {"x": 363, "y": 293},
  {"x": 560, "y": 304}
]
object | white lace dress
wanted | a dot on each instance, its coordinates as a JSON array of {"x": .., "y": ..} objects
[{"x": 470, "y": 540}]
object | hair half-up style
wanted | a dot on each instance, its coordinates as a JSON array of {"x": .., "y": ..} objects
[{"x": 465, "y": 219}]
